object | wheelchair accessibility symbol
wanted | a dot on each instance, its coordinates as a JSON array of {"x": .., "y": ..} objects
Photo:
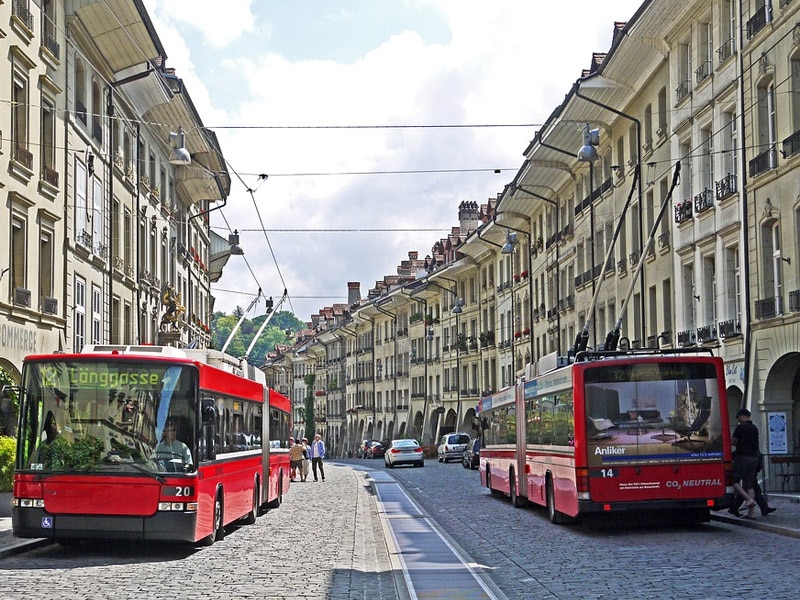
[{"x": 47, "y": 522}]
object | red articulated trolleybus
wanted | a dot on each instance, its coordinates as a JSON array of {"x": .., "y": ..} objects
[
  {"x": 146, "y": 443},
  {"x": 612, "y": 432}
]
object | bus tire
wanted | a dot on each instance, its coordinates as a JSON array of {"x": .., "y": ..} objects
[
  {"x": 251, "y": 517},
  {"x": 492, "y": 492},
  {"x": 516, "y": 500},
  {"x": 555, "y": 516},
  {"x": 218, "y": 532},
  {"x": 279, "y": 498}
]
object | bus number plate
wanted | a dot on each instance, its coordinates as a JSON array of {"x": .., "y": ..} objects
[{"x": 605, "y": 473}]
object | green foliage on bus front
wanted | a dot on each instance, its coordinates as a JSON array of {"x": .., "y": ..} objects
[{"x": 84, "y": 454}]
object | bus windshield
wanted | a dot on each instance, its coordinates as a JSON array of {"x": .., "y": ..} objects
[
  {"x": 652, "y": 412},
  {"x": 100, "y": 415}
]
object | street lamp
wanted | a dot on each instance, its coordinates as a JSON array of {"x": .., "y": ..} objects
[{"x": 588, "y": 153}]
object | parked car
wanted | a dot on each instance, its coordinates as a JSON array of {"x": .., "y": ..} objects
[
  {"x": 363, "y": 448},
  {"x": 471, "y": 457},
  {"x": 404, "y": 452},
  {"x": 452, "y": 446},
  {"x": 377, "y": 450}
]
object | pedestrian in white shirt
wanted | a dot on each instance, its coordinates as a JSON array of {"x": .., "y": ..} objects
[{"x": 317, "y": 454}]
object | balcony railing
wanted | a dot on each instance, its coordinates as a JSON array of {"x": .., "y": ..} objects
[
  {"x": 726, "y": 50},
  {"x": 682, "y": 90},
  {"x": 50, "y": 176},
  {"x": 726, "y": 186},
  {"x": 49, "y": 40},
  {"x": 21, "y": 11},
  {"x": 794, "y": 301},
  {"x": 703, "y": 71},
  {"x": 730, "y": 328},
  {"x": 686, "y": 338},
  {"x": 23, "y": 156},
  {"x": 703, "y": 201},
  {"x": 768, "y": 308},
  {"x": 791, "y": 145},
  {"x": 683, "y": 211},
  {"x": 80, "y": 110},
  {"x": 759, "y": 20},
  {"x": 763, "y": 162},
  {"x": 706, "y": 333}
]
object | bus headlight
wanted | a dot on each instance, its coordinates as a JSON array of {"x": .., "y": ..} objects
[{"x": 28, "y": 502}]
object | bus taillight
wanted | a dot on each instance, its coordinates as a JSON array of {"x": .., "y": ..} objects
[{"x": 582, "y": 480}]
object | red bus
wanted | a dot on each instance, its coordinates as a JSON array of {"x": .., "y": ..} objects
[
  {"x": 612, "y": 432},
  {"x": 146, "y": 443}
]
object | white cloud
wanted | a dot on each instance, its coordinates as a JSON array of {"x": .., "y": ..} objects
[
  {"x": 510, "y": 61},
  {"x": 220, "y": 23}
]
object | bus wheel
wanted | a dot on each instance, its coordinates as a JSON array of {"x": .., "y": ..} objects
[
  {"x": 250, "y": 517},
  {"x": 516, "y": 500},
  {"x": 279, "y": 499},
  {"x": 492, "y": 492},
  {"x": 219, "y": 530},
  {"x": 555, "y": 516}
]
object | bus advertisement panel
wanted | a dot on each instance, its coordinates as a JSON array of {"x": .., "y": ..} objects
[{"x": 140, "y": 443}]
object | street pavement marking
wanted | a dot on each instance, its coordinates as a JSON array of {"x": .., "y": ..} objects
[{"x": 430, "y": 562}]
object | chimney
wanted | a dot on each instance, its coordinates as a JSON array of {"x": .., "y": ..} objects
[
  {"x": 468, "y": 216},
  {"x": 353, "y": 292}
]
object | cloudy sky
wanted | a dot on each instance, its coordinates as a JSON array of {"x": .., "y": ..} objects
[{"x": 342, "y": 105}]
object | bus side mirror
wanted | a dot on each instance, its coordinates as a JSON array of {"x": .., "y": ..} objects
[{"x": 209, "y": 411}]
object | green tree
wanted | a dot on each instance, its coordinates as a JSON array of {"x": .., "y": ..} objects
[{"x": 273, "y": 335}]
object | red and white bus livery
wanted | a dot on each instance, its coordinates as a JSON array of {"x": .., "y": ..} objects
[
  {"x": 146, "y": 443},
  {"x": 612, "y": 432}
]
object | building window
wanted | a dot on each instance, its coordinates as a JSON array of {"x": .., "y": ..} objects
[
  {"x": 666, "y": 303},
  {"x": 19, "y": 120},
  {"x": 727, "y": 29},
  {"x": 98, "y": 219},
  {"x": 97, "y": 113},
  {"x": 81, "y": 209},
  {"x": 689, "y": 293},
  {"x": 704, "y": 52},
  {"x": 79, "y": 311},
  {"x": 19, "y": 275},
  {"x": 80, "y": 92},
  {"x": 684, "y": 70},
  {"x": 48, "y": 142},
  {"x": 661, "y": 131},
  {"x": 708, "y": 295},
  {"x": 766, "y": 130},
  {"x": 46, "y": 262},
  {"x": 733, "y": 294},
  {"x": 770, "y": 304},
  {"x": 97, "y": 315}
]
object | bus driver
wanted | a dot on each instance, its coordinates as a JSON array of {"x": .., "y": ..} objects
[{"x": 170, "y": 452}]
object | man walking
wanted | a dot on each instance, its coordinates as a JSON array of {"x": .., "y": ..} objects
[{"x": 317, "y": 454}]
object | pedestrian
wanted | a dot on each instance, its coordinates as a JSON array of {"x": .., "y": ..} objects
[
  {"x": 759, "y": 496},
  {"x": 317, "y": 454},
  {"x": 306, "y": 459},
  {"x": 296, "y": 453},
  {"x": 745, "y": 463}
]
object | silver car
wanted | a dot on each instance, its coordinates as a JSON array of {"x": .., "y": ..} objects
[
  {"x": 452, "y": 446},
  {"x": 404, "y": 452}
]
